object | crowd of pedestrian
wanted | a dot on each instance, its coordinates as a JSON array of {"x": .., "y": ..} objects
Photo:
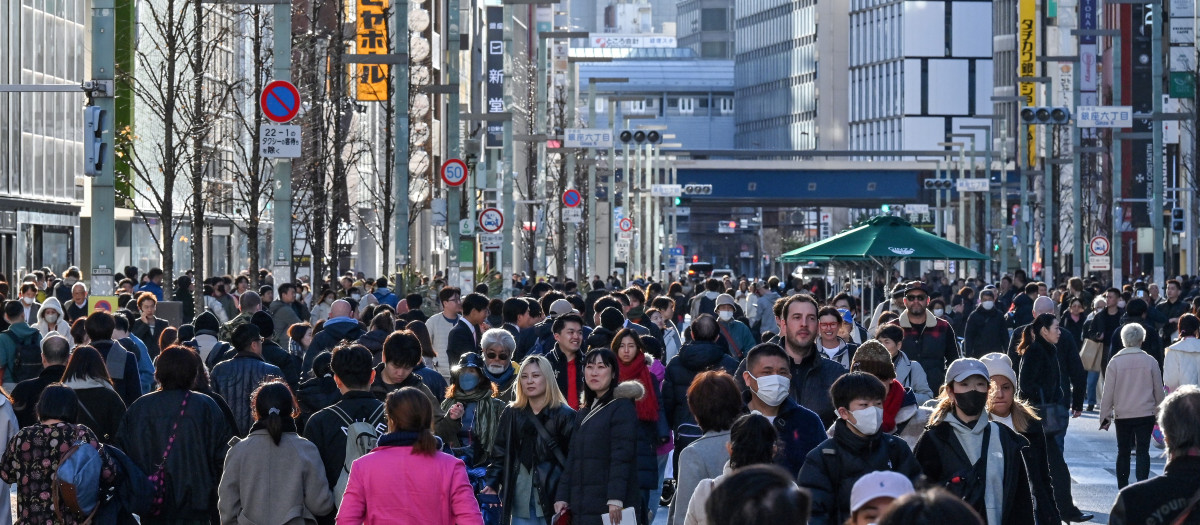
[{"x": 724, "y": 402}]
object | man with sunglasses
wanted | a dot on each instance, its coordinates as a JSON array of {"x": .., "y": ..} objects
[{"x": 928, "y": 340}]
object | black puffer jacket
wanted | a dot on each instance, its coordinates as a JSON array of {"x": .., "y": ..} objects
[
  {"x": 516, "y": 435},
  {"x": 942, "y": 458},
  {"x": 1038, "y": 466},
  {"x": 287, "y": 363},
  {"x": 1038, "y": 375},
  {"x": 985, "y": 332},
  {"x": 373, "y": 340},
  {"x": 315, "y": 394},
  {"x": 811, "y": 379},
  {"x": 602, "y": 463},
  {"x": 1153, "y": 344},
  {"x": 236, "y": 379},
  {"x": 333, "y": 333},
  {"x": 693, "y": 358},
  {"x": 197, "y": 456},
  {"x": 831, "y": 469}
]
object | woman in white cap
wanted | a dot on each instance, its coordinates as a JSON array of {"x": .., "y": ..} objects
[
  {"x": 1016, "y": 413},
  {"x": 874, "y": 493},
  {"x": 975, "y": 459}
]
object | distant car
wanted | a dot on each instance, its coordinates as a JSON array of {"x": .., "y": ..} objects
[
  {"x": 699, "y": 271},
  {"x": 723, "y": 272}
]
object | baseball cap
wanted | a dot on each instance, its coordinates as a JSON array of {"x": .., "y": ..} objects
[
  {"x": 846, "y": 315},
  {"x": 999, "y": 365},
  {"x": 899, "y": 289},
  {"x": 966, "y": 367},
  {"x": 879, "y": 484},
  {"x": 916, "y": 286},
  {"x": 560, "y": 307},
  {"x": 724, "y": 299}
]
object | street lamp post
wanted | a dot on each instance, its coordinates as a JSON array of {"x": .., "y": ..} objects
[
  {"x": 592, "y": 216},
  {"x": 986, "y": 238}
]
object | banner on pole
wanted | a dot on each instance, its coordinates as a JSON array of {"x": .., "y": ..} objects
[
  {"x": 1027, "y": 66},
  {"x": 372, "y": 39}
]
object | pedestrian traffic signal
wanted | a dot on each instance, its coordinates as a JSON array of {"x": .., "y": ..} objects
[
  {"x": 938, "y": 184},
  {"x": 93, "y": 141},
  {"x": 1177, "y": 220},
  {"x": 1045, "y": 116}
]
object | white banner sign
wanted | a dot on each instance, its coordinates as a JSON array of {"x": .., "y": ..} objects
[
  {"x": 588, "y": 138},
  {"x": 491, "y": 242},
  {"x": 615, "y": 40},
  {"x": 916, "y": 209},
  {"x": 1104, "y": 116},
  {"x": 1182, "y": 31},
  {"x": 666, "y": 190},
  {"x": 279, "y": 142},
  {"x": 573, "y": 215},
  {"x": 1097, "y": 263},
  {"x": 968, "y": 185}
]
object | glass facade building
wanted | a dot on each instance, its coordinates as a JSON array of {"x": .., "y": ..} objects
[{"x": 41, "y": 150}]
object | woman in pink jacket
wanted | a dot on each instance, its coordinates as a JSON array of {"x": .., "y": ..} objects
[{"x": 406, "y": 479}]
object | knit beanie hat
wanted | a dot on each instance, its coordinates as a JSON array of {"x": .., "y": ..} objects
[
  {"x": 207, "y": 321},
  {"x": 612, "y": 319},
  {"x": 873, "y": 358}
]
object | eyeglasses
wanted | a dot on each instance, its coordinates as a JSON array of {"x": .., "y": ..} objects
[
  {"x": 916, "y": 297},
  {"x": 490, "y": 355},
  {"x": 828, "y": 325}
]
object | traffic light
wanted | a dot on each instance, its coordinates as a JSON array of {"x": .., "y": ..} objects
[
  {"x": 695, "y": 258},
  {"x": 626, "y": 136},
  {"x": 639, "y": 136},
  {"x": 733, "y": 225},
  {"x": 1045, "y": 116},
  {"x": 93, "y": 141},
  {"x": 938, "y": 184},
  {"x": 886, "y": 208},
  {"x": 678, "y": 201},
  {"x": 653, "y": 137},
  {"x": 1177, "y": 220}
]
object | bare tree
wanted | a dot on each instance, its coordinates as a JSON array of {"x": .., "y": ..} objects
[{"x": 178, "y": 108}]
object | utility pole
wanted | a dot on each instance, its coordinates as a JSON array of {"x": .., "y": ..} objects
[
  {"x": 399, "y": 71},
  {"x": 103, "y": 76},
  {"x": 281, "y": 19}
]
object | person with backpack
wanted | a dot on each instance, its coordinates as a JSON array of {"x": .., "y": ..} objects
[
  {"x": 341, "y": 326},
  {"x": 33, "y": 457},
  {"x": 358, "y": 413},
  {"x": 273, "y": 474},
  {"x": 383, "y": 294},
  {"x": 857, "y": 447},
  {"x": 20, "y": 347},
  {"x": 177, "y": 437},
  {"x": 406, "y": 478},
  {"x": 55, "y": 351},
  {"x": 207, "y": 341}
]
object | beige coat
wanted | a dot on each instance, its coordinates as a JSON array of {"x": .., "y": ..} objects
[
  {"x": 269, "y": 484},
  {"x": 1181, "y": 365},
  {"x": 1133, "y": 386}
]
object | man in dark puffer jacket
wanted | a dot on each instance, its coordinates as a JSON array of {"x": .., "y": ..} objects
[
  {"x": 340, "y": 327},
  {"x": 700, "y": 355},
  {"x": 235, "y": 379}
]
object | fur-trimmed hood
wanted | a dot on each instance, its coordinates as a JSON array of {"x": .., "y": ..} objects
[{"x": 631, "y": 390}]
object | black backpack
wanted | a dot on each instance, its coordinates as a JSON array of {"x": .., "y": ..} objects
[{"x": 28, "y": 357}]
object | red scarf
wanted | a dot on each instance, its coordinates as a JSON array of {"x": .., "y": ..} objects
[
  {"x": 647, "y": 406},
  {"x": 891, "y": 405}
]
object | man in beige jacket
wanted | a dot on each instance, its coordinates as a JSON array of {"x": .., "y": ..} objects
[{"x": 1133, "y": 389}]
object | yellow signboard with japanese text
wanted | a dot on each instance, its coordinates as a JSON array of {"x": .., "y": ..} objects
[
  {"x": 372, "y": 39},
  {"x": 1027, "y": 66}
]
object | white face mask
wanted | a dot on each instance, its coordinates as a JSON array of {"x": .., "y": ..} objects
[
  {"x": 938, "y": 312},
  {"x": 773, "y": 390},
  {"x": 988, "y": 305},
  {"x": 725, "y": 315},
  {"x": 868, "y": 420},
  {"x": 51, "y": 319},
  {"x": 711, "y": 294},
  {"x": 1120, "y": 304},
  {"x": 27, "y": 300}
]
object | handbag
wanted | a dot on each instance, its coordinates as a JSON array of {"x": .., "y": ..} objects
[
  {"x": 1092, "y": 355},
  {"x": 158, "y": 480}
]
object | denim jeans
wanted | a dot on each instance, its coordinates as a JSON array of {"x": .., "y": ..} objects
[
  {"x": 1092, "y": 379},
  {"x": 652, "y": 500},
  {"x": 1133, "y": 432}
]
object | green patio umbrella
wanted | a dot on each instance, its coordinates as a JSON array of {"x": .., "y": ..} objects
[{"x": 884, "y": 239}]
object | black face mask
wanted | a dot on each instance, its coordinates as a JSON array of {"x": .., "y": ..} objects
[{"x": 971, "y": 403}]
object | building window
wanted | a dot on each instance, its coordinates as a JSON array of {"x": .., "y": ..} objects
[
  {"x": 714, "y": 19},
  {"x": 726, "y": 105},
  {"x": 687, "y": 105},
  {"x": 714, "y": 50},
  {"x": 635, "y": 106}
]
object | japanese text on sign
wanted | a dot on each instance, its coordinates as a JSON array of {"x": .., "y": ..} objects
[
  {"x": 588, "y": 138},
  {"x": 1027, "y": 65},
  {"x": 1104, "y": 116},
  {"x": 495, "y": 74},
  {"x": 280, "y": 142},
  {"x": 372, "y": 39}
]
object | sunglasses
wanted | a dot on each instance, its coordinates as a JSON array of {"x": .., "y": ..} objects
[
  {"x": 916, "y": 297},
  {"x": 490, "y": 355}
]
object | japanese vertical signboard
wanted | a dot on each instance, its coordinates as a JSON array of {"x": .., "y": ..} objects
[
  {"x": 495, "y": 74},
  {"x": 1027, "y": 65},
  {"x": 372, "y": 39},
  {"x": 1140, "y": 172}
]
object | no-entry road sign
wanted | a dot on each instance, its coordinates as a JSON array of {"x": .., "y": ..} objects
[
  {"x": 491, "y": 220},
  {"x": 280, "y": 101}
]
